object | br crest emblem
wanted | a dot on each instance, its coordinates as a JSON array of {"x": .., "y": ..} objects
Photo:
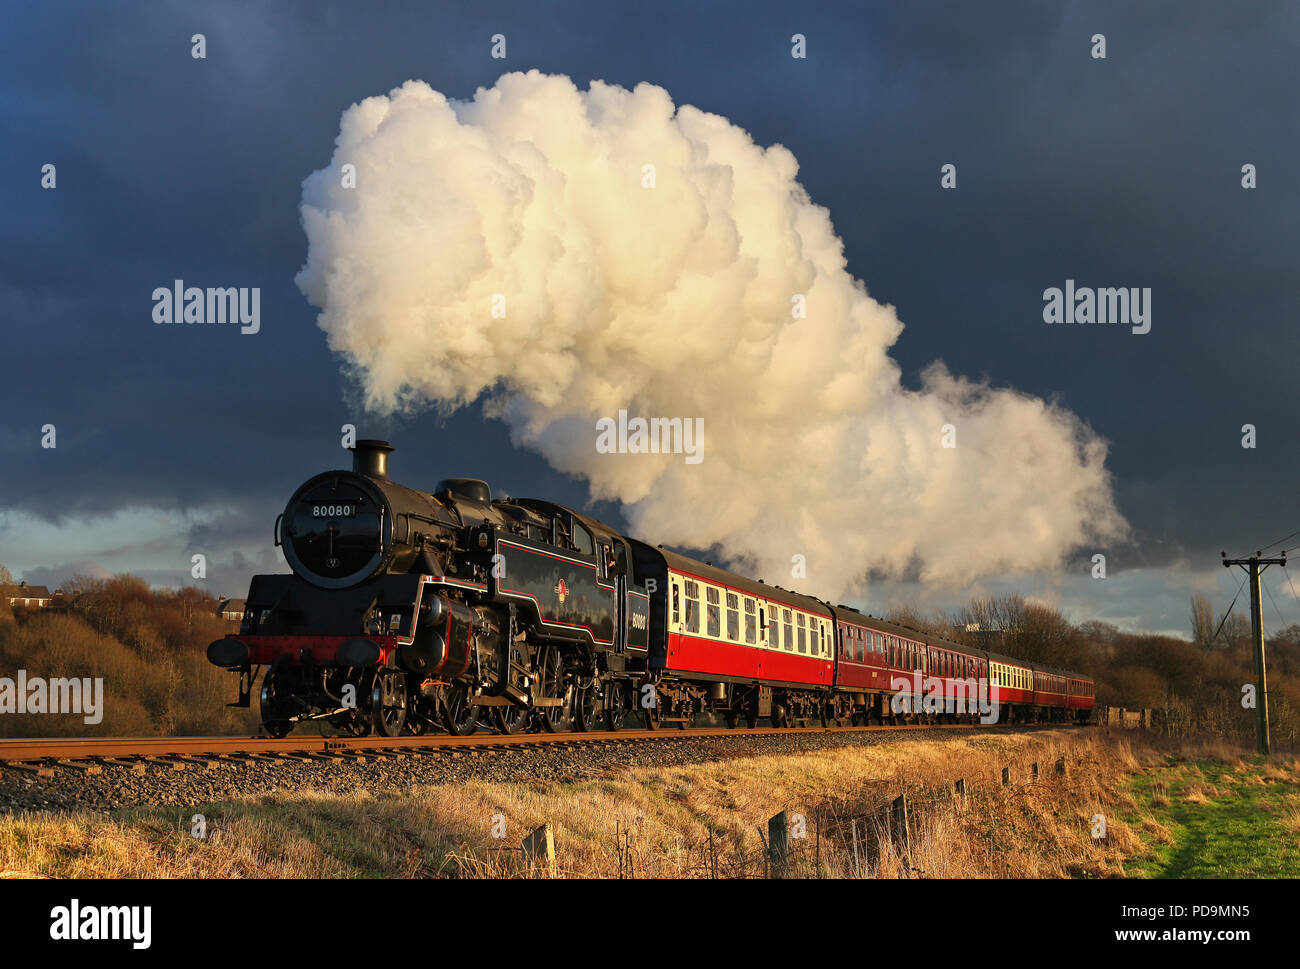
[{"x": 561, "y": 590}]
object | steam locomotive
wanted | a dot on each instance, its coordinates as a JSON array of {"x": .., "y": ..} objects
[{"x": 410, "y": 611}]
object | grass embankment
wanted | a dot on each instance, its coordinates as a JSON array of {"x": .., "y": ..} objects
[{"x": 697, "y": 821}]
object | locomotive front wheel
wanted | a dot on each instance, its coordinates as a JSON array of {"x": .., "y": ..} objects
[
  {"x": 458, "y": 716},
  {"x": 355, "y": 727},
  {"x": 510, "y": 719},
  {"x": 274, "y": 690},
  {"x": 388, "y": 703}
]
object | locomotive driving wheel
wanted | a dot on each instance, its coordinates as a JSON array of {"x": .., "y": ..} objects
[
  {"x": 553, "y": 686},
  {"x": 388, "y": 703}
]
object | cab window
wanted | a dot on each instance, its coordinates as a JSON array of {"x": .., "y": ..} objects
[{"x": 582, "y": 539}]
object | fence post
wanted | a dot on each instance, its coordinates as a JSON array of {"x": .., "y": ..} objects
[
  {"x": 1006, "y": 776},
  {"x": 960, "y": 789},
  {"x": 1035, "y": 770},
  {"x": 902, "y": 831},
  {"x": 539, "y": 847},
  {"x": 778, "y": 844},
  {"x": 1060, "y": 765}
]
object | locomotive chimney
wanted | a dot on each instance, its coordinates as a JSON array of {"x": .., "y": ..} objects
[{"x": 371, "y": 457}]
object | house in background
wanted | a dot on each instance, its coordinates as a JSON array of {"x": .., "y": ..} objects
[
  {"x": 27, "y": 596},
  {"x": 231, "y": 610}
]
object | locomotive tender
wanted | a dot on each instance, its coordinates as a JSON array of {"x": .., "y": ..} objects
[{"x": 408, "y": 611}]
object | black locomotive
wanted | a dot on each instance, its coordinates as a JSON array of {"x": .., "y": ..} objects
[{"x": 409, "y": 610}]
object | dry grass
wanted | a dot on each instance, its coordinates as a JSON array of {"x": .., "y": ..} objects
[{"x": 698, "y": 821}]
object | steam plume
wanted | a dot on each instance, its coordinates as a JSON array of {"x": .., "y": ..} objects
[{"x": 676, "y": 301}]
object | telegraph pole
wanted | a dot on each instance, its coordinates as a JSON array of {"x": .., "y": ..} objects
[{"x": 1254, "y": 566}]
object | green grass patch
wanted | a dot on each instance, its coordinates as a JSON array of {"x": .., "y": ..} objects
[{"x": 1203, "y": 819}]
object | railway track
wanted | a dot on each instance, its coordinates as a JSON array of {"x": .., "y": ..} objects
[{"x": 45, "y": 756}]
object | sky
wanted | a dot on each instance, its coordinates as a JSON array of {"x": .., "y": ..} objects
[{"x": 1123, "y": 171}]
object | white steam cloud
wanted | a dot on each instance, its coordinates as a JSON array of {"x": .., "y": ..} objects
[{"x": 676, "y": 301}]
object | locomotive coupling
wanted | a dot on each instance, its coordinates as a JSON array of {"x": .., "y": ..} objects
[{"x": 228, "y": 653}]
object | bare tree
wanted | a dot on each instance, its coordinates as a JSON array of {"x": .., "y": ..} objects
[
  {"x": 1203, "y": 624},
  {"x": 1235, "y": 633},
  {"x": 1026, "y": 630}
]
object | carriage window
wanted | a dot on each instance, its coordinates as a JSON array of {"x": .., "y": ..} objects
[
  {"x": 880, "y": 643},
  {"x": 803, "y": 644},
  {"x": 773, "y": 628},
  {"x": 733, "y": 617},
  {"x": 749, "y": 621},
  {"x": 713, "y": 612},
  {"x": 692, "y": 607},
  {"x": 677, "y": 604},
  {"x": 789, "y": 629}
]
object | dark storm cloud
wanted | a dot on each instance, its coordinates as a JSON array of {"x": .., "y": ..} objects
[{"x": 1116, "y": 172}]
